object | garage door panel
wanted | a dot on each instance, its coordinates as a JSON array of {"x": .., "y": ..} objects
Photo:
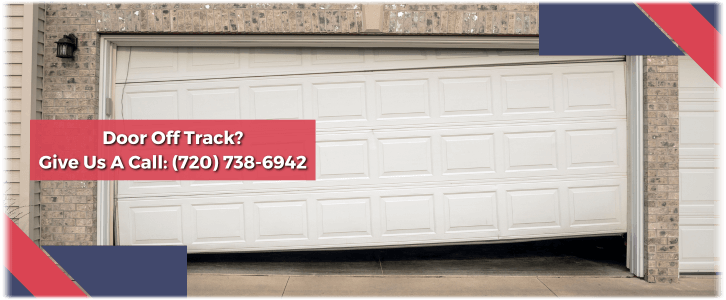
[
  {"x": 570, "y": 207},
  {"x": 533, "y": 209},
  {"x": 438, "y": 157},
  {"x": 403, "y": 98},
  {"x": 592, "y": 148},
  {"x": 202, "y": 59},
  {"x": 148, "y": 60},
  {"x": 155, "y": 64},
  {"x": 407, "y": 215},
  {"x": 697, "y": 185},
  {"x": 161, "y": 105},
  {"x": 470, "y": 212},
  {"x": 430, "y": 155},
  {"x": 344, "y": 159},
  {"x": 698, "y": 191},
  {"x": 529, "y": 93},
  {"x": 698, "y": 250},
  {"x": 339, "y": 101},
  {"x": 697, "y": 132},
  {"x": 344, "y": 218},
  {"x": 405, "y": 157},
  {"x": 467, "y": 96},
  {"x": 286, "y": 220},
  {"x": 468, "y": 154},
  {"x": 158, "y": 225},
  {"x": 530, "y": 151},
  {"x": 283, "y": 102},
  {"x": 218, "y": 223},
  {"x": 214, "y": 104},
  {"x": 592, "y": 206},
  {"x": 597, "y": 204},
  {"x": 589, "y": 91}
]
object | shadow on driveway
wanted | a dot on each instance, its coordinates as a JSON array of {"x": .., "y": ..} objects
[{"x": 594, "y": 256}]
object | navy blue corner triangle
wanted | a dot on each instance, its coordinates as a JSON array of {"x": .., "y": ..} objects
[
  {"x": 711, "y": 12},
  {"x": 16, "y": 288},
  {"x": 125, "y": 270},
  {"x": 600, "y": 29}
]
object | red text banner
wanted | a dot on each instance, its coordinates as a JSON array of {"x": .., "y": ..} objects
[{"x": 172, "y": 150}]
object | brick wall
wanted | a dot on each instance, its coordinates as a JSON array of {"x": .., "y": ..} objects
[
  {"x": 68, "y": 213},
  {"x": 516, "y": 19},
  {"x": 661, "y": 167}
]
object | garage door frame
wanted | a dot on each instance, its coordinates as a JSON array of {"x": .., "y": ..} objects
[{"x": 634, "y": 99}]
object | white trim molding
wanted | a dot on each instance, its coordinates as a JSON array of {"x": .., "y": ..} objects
[
  {"x": 636, "y": 185},
  {"x": 333, "y": 41},
  {"x": 104, "y": 205}
]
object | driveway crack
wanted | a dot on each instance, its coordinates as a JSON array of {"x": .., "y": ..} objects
[
  {"x": 553, "y": 293},
  {"x": 286, "y": 282}
]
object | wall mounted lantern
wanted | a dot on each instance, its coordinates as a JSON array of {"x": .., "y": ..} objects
[{"x": 66, "y": 46}]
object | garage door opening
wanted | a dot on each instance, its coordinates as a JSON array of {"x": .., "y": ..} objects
[
  {"x": 414, "y": 146},
  {"x": 591, "y": 256}
]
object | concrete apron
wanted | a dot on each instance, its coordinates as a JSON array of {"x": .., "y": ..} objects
[{"x": 392, "y": 285}]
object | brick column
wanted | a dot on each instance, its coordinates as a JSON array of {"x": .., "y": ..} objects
[
  {"x": 68, "y": 208},
  {"x": 661, "y": 167}
]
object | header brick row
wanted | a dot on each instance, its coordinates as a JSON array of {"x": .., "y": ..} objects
[{"x": 473, "y": 19}]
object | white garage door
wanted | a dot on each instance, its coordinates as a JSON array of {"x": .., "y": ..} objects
[
  {"x": 698, "y": 103},
  {"x": 413, "y": 146}
]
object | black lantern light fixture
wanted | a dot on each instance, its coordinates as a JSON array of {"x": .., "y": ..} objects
[{"x": 66, "y": 46}]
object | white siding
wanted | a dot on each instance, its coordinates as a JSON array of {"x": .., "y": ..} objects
[{"x": 23, "y": 196}]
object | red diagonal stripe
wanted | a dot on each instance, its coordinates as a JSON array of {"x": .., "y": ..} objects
[
  {"x": 691, "y": 31},
  {"x": 34, "y": 269}
]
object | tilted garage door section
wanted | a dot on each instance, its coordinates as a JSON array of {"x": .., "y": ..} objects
[{"x": 436, "y": 154}]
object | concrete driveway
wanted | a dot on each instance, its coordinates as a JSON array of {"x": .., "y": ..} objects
[{"x": 392, "y": 285}]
